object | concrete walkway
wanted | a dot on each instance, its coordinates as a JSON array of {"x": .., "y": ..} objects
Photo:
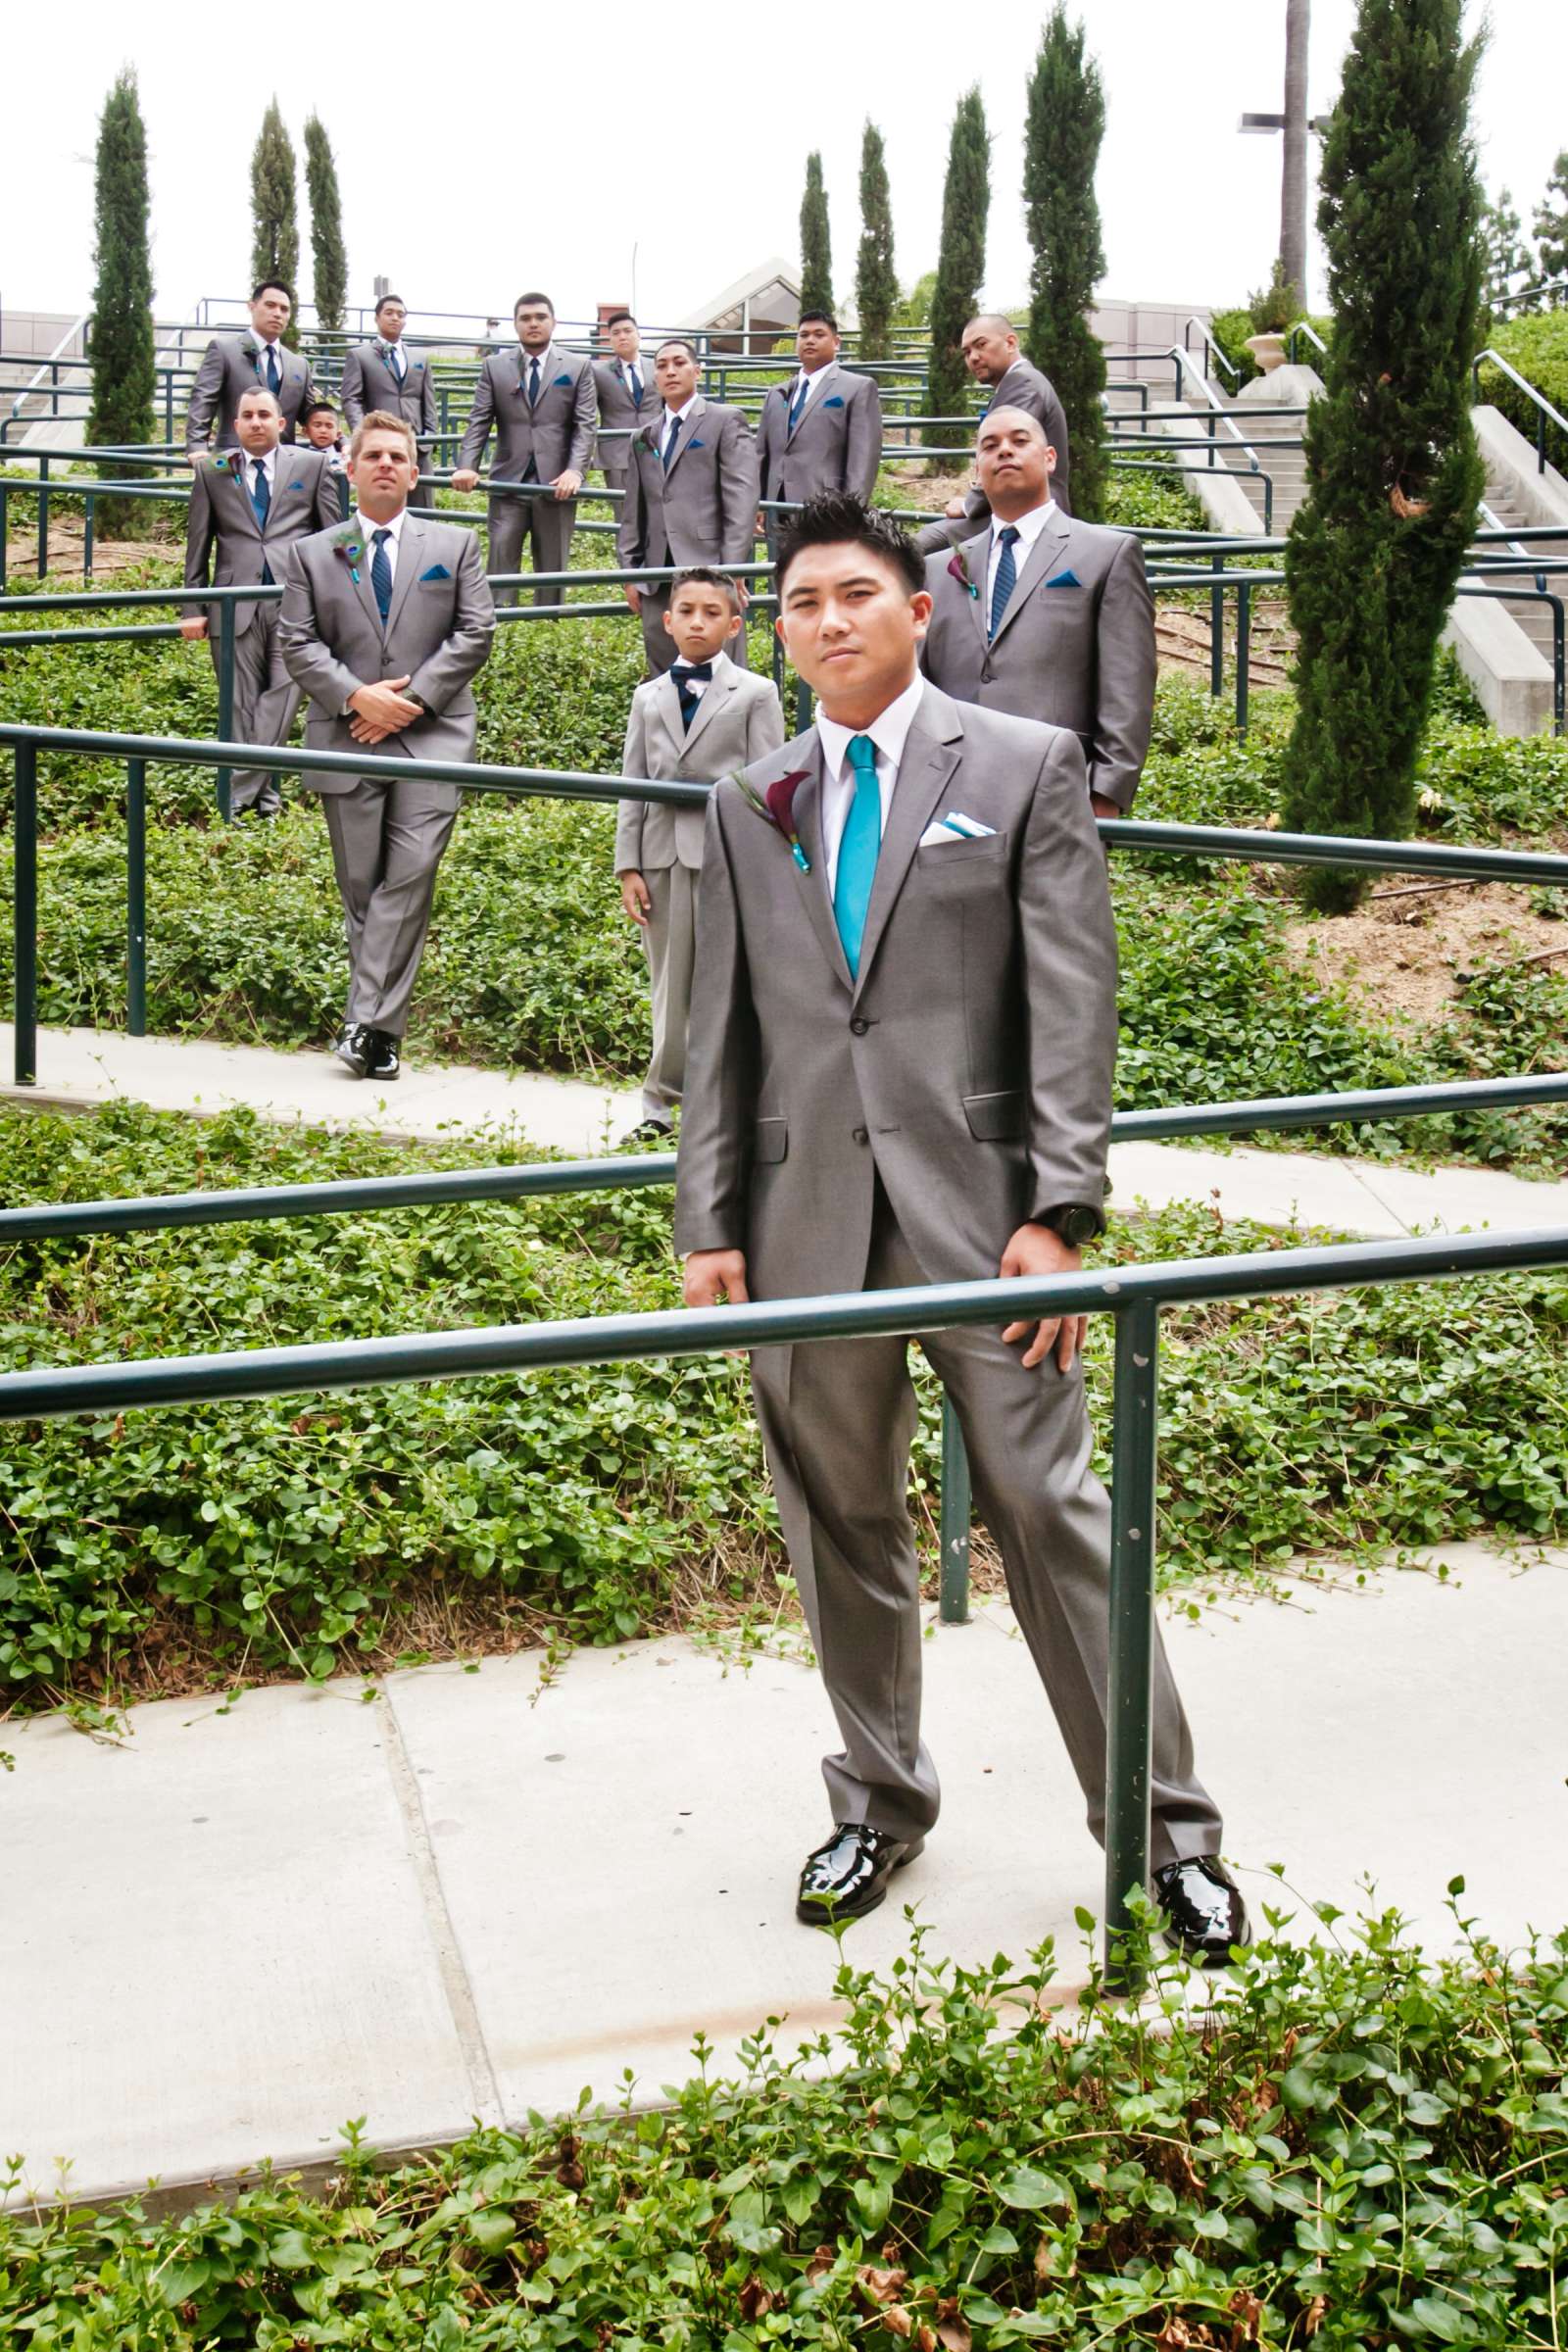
[
  {"x": 461, "y": 1894},
  {"x": 81, "y": 1067}
]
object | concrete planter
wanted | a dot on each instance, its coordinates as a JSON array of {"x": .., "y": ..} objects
[{"x": 1267, "y": 350}]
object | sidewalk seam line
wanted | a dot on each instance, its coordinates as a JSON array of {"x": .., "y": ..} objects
[{"x": 483, "y": 2088}]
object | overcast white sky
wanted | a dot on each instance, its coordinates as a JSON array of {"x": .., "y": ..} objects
[{"x": 552, "y": 142}]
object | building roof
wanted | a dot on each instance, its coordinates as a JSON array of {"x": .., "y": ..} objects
[{"x": 772, "y": 291}]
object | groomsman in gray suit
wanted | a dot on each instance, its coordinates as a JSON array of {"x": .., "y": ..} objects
[
  {"x": 627, "y": 396},
  {"x": 992, "y": 356},
  {"x": 691, "y": 493},
  {"x": 900, "y": 1072},
  {"x": 386, "y": 620},
  {"x": 387, "y": 376},
  {"x": 232, "y": 364},
  {"x": 248, "y": 504},
  {"x": 823, "y": 430},
  {"x": 1045, "y": 616},
  {"x": 540, "y": 402}
]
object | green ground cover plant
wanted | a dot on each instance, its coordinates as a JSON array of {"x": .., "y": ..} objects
[
  {"x": 304, "y": 1535},
  {"x": 1359, "y": 2147}
]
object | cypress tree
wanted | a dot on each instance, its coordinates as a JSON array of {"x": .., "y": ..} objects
[
  {"x": 123, "y": 377},
  {"x": 275, "y": 224},
  {"x": 1393, "y": 472},
  {"x": 960, "y": 267},
  {"x": 877, "y": 281},
  {"x": 1065, "y": 126},
  {"x": 1552, "y": 225},
  {"x": 817, "y": 244},
  {"x": 329, "y": 262}
]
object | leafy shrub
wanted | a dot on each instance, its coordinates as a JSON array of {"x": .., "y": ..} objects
[
  {"x": 1539, "y": 347},
  {"x": 302, "y": 1533},
  {"x": 1358, "y": 2145},
  {"x": 1230, "y": 331}
]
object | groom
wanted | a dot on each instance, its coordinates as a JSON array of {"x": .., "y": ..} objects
[{"x": 898, "y": 1072}]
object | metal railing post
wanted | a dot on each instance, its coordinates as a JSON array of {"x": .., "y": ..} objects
[
  {"x": 1243, "y": 652},
  {"x": 86, "y": 537},
  {"x": 24, "y": 825},
  {"x": 226, "y": 702},
  {"x": 136, "y": 897},
  {"x": 5, "y": 526},
  {"x": 43, "y": 518},
  {"x": 1216, "y": 630},
  {"x": 1135, "y": 1442},
  {"x": 956, "y": 1514}
]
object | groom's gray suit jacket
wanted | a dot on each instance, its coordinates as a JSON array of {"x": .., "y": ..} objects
[
  {"x": 1075, "y": 648},
  {"x": 970, "y": 1065}
]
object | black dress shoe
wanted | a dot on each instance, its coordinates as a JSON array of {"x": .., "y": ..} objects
[
  {"x": 1205, "y": 1914},
  {"x": 382, "y": 1054},
  {"x": 350, "y": 1048},
  {"x": 849, "y": 1876},
  {"x": 647, "y": 1131}
]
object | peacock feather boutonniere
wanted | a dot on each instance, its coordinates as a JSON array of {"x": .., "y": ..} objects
[
  {"x": 352, "y": 549},
  {"x": 222, "y": 461},
  {"x": 776, "y": 807},
  {"x": 958, "y": 570}
]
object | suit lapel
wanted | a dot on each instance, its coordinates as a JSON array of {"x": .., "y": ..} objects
[
  {"x": 285, "y": 465},
  {"x": 239, "y": 497},
  {"x": 930, "y": 755},
  {"x": 1049, "y": 540},
  {"x": 976, "y": 555},
  {"x": 687, "y": 433},
  {"x": 823, "y": 382},
  {"x": 359, "y": 527},
  {"x": 667, "y": 708},
  {"x": 719, "y": 689},
  {"x": 411, "y": 558},
  {"x": 812, "y": 885}
]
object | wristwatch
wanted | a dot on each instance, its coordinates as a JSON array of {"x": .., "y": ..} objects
[{"x": 1073, "y": 1222}]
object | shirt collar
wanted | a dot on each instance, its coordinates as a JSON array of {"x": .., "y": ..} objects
[
  {"x": 889, "y": 732},
  {"x": 392, "y": 344},
  {"x": 683, "y": 413},
  {"x": 268, "y": 460},
  {"x": 528, "y": 356},
  {"x": 1028, "y": 527},
  {"x": 394, "y": 525}
]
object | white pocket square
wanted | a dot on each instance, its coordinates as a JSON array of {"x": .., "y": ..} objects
[{"x": 954, "y": 826}]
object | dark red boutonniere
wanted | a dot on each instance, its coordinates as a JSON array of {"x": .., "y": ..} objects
[
  {"x": 776, "y": 807},
  {"x": 958, "y": 570}
]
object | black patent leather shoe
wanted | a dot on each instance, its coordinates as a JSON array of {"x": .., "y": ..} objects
[
  {"x": 381, "y": 1055},
  {"x": 647, "y": 1131},
  {"x": 1205, "y": 1915},
  {"x": 350, "y": 1048},
  {"x": 849, "y": 1876}
]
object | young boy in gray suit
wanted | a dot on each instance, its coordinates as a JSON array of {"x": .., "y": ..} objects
[{"x": 702, "y": 719}]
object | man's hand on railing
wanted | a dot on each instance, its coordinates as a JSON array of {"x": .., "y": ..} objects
[
  {"x": 380, "y": 711},
  {"x": 567, "y": 484},
  {"x": 1035, "y": 1250},
  {"x": 712, "y": 1276},
  {"x": 467, "y": 477},
  {"x": 195, "y": 630}
]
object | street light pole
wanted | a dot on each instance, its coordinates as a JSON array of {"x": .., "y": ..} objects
[{"x": 1293, "y": 191}]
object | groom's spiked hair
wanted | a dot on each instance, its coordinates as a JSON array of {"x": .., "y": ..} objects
[{"x": 838, "y": 519}]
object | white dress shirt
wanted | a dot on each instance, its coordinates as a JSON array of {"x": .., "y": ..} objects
[
  {"x": 397, "y": 359},
  {"x": 889, "y": 732},
  {"x": 1028, "y": 527},
  {"x": 813, "y": 384},
  {"x": 394, "y": 525},
  {"x": 544, "y": 358},
  {"x": 269, "y": 463},
  {"x": 631, "y": 367}
]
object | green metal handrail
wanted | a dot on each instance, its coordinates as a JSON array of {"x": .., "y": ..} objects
[
  {"x": 1544, "y": 412},
  {"x": 1134, "y": 1295}
]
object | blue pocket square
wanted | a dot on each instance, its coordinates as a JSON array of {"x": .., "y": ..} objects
[
  {"x": 833, "y": 402},
  {"x": 563, "y": 379},
  {"x": 1064, "y": 579},
  {"x": 294, "y": 486},
  {"x": 696, "y": 444},
  {"x": 437, "y": 571}
]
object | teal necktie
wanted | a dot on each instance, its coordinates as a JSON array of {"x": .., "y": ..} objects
[{"x": 857, "y": 851}]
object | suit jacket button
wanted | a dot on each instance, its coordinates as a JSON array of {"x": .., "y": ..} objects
[
  {"x": 858, "y": 1027},
  {"x": 860, "y": 1136}
]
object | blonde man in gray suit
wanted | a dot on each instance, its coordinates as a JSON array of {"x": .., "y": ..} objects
[
  {"x": 823, "y": 430},
  {"x": 247, "y": 503},
  {"x": 541, "y": 404},
  {"x": 387, "y": 376},
  {"x": 1045, "y": 616},
  {"x": 386, "y": 621},
  {"x": 627, "y": 397},
  {"x": 992, "y": 357},
  {"x": 700, "y": 720},
  {"x": 904, "y": 1027},
  {"x": 234, "y": 363},
  {"x": 690, "y": 492}
]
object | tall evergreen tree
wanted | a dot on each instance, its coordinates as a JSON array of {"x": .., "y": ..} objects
[
  {"x": 877, "y": 281},
  {"x": 329, "y": 262},
  {"x": 123, "y": 376},
  {"x": 1393, "y": 472},
  {"x": 1505, "y": 257},
  {"x": 817, "y": 244},
  {"x": 1551, "y": 227},
  {"x": 961, "y": 265},
  {"x": 1065, "y": 126},
  {"x": 275, "y": 221}
]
